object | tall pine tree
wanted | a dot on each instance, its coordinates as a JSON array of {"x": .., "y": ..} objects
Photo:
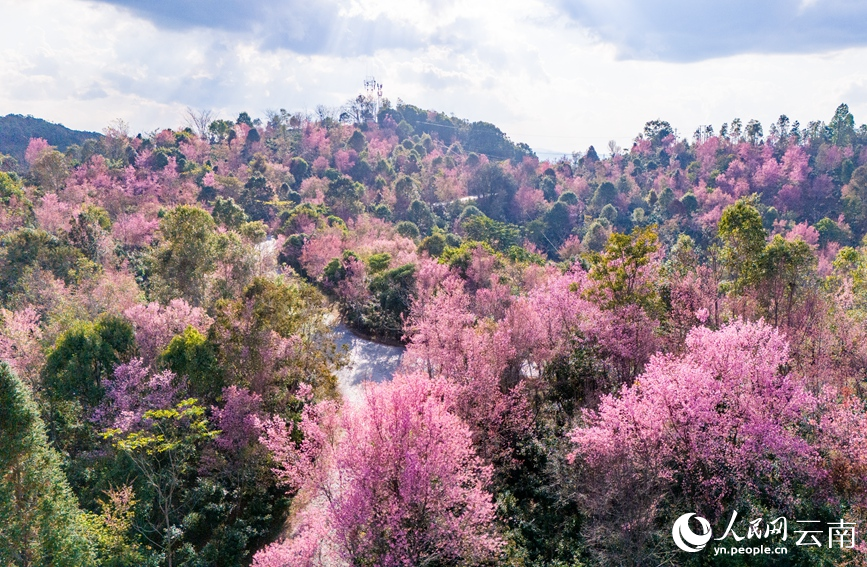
[{"x": 40, "y": 523}]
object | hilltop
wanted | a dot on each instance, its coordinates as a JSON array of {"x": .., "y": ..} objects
[{"x": 17, "y": 130}]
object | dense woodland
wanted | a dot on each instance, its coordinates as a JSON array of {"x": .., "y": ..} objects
[{"x": 594, "y": 345}]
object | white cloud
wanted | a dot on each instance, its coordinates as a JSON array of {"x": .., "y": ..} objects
[
  {"x": 687, "y": 30},
  {"x": 519, "y": 64}
]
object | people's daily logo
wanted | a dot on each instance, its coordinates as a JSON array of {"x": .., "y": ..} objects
[
  {"x": 761, "y": 536},
  {"x": 688, "y": 540}
]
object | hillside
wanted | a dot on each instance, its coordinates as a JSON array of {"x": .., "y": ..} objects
[
  {"x": 16, "y": 131},
  {"x": 595, "y": 348}
]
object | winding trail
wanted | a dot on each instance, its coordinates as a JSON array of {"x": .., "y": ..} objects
[{"x": 368, "y": 362}]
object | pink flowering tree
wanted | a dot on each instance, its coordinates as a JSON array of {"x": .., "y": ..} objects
[
  {"x": 719, "y": 425},
  {"x": 20, "y": 343},
  {"x": 237, "y": 419},
  {"x": 54, "y": 215},
  {"x": 403, "y": 487},
  {"x": 133, "y": 390},
  {"x": 155, "y": 325}
]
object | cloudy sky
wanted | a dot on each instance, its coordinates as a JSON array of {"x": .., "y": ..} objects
[{"x": 557, "y": 74}]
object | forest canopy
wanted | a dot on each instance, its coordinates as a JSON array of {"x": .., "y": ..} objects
[{"x": 593, "y": 346}]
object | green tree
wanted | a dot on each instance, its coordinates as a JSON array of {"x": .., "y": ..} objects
[
  {"x": 595, "y": 238},
  {"x": 357, "y": 141},
  {"x": 191, "y": 355},
  {"x": 786, "y": 274},
  {"x": 558, "y": 224},
  {"x": 657, "y": 130},
  {"x": 40, "y": 523},
  {"x": 605, "y": 194},
  {"x": 343, "y": 196},
  {"x": 743, "y": 235},
  {"x": 248, "y": 333},
  {"x": 842, "y": 126},
  {"x": 186, "y": 255},
  {"x": 690, "y": 202},
  {"x": 300, "y": 170},
  {"x": 609, "y": 213},
  {"x": 830, "y": 231},
  {"x": 50, "y": 171},
  {"x": 500, "y": 235},
  {"x": 495, "y": 189},
  {"x": 84, "y": 356},
  {"x": 621, "y": 270},
  {"x": 24, "y": 250},
  {"x": 165, "y": 453},
  {"x": 420, "y": 214},
  {"x": 392, "y": 291},
  {"x": 434, "y": 244},
  {"x": 407, "y": 229},
  {"x": 255, "y": 196},
  {"x": 665, "y": 199},
  {"x": 228, "y": 213},
  {"x": 378, "y": 262}
]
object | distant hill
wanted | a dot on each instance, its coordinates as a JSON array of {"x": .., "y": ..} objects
[{"x": 16, "y": 131}]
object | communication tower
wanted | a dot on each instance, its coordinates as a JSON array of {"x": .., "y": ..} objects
[{"x": 374, "y": 93}]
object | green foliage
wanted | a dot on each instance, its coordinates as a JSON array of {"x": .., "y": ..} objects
[
  {"x": 382, "y": 211},
  {"x": 228, "y": 213},
  {"x": 357, "y": 141},
  {"x": 690, "y": 202},
  {"x": 420, "y": 214},
  {"x": 569, "y": 198},
  {"x": 378, "y": 262},
  {"x": 407, "y": 229},
  {"x": 830, "y": 231},
  {"x": 558, "y": 224},
  {"x": 84, "y": 356},
  {"x": 609, "y": 213},
  {"x": 12, "y": 197},
  {"x": 468, "y": 212},
  {"x": 26, "y": 250},
  {"x": 343, "y": 196},
  {"x": 501, "y": 236},
  {"x": 548, "y": 185},
  {"x": 244, "y": 331},
  {"x": 495, "y": 189},
  {"x": 453, "y": 240},
  {"x": 485, "y": 138},
  {"x": 434, "y": 245},
  {"x": 244, "y": 118},
  {"x": 519, "y": 254},
  {"x": 743, "y": 236},
  {"x": 392, "y": 291},
  {"x": 460, "y": 257},
  {"x": 256, "y": 196},
  {"x": 666, "y": 198},
  {"x": 111, "y": 531},
  {"x": 605, "y": 194},
  {"x": 786, "y": 270},
  {"x": 186, "y": 255},
  {"x": 40, "y": 523},
  {"x": 164, "y": 454},
  {"x": 254, "y": 232},
  {"x": 620, "y": 270},
  {"x": 299, "y": 169},
  {"x": 596, "y": 237},
  {"x": 191, "y": 355}
]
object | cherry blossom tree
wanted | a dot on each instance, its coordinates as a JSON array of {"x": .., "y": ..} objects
[
  {"x": 155, "y": 325},
  {"x": 718, "y": 425},
  {"x": 404, "y": 486}
]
